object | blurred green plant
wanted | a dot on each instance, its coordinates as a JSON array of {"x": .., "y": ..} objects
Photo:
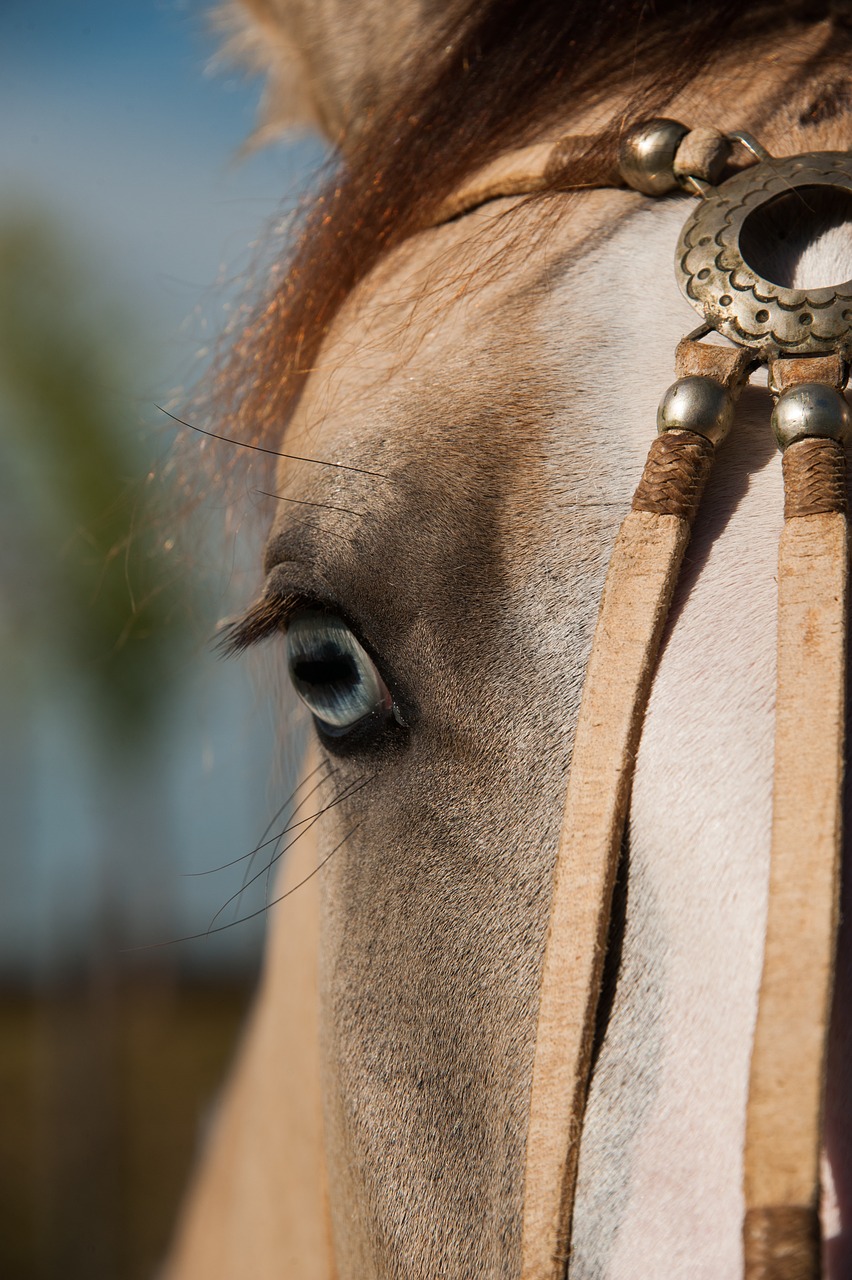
[{"x": 89, "y": 590}]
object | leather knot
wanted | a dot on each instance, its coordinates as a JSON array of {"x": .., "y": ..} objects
[
  {"x": 675, "y": 474},
  {"x": 781, "y": 1242},
  {"x": 814, "y": 478}
]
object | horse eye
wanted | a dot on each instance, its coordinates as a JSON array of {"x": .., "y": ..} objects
[{"x": 332, "y": 673}]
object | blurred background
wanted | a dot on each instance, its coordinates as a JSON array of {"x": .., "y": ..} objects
[{"x": 131, "y": 757}]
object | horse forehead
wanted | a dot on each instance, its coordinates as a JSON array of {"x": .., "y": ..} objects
[
  {"x": 428, "y": 344},
  {"x": 477, "y": 348},
  {"x": 480, "y": 343}
]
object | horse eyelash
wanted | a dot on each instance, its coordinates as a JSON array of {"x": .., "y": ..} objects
[{"x": 266, "y": 616}]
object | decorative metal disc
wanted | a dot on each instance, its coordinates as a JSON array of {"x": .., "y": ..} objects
[{"x": 733, "y": 298}]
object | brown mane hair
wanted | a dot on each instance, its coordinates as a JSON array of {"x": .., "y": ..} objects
[{"x": 499, "y": 72}]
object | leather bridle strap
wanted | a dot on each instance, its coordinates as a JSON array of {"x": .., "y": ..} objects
[
  {"x": 781, "y": 1229},
  {"x": 531, "y": 171},
  {"x": 640, "y": 582}
]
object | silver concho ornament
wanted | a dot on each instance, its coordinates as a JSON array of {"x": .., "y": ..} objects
[{"x": 720, "y": 243}]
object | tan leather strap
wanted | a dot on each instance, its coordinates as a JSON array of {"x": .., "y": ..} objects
[
  {"x": 781, "y": 1233},
  {"x": 638, "y": 590},
  {"x": 640, "y": 583},
  {"x": 525, "y": 172},
  {"x": 544, "y": 166}
]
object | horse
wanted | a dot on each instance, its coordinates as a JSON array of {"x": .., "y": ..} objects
[{"x": 462, "y": 391}]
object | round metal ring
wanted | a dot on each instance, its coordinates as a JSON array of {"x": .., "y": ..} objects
[{"x": 731, "y": 295}]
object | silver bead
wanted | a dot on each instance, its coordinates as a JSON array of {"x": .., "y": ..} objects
[
  {"x": 697, "y": 404},
  {"x": 646, "y": 156},
  {"x": 810, "y": 410}
]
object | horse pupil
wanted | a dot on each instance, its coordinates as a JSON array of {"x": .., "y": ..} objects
[{"x": 339, "y": 669}]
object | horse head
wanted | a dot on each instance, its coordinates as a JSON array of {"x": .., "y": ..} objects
[{"x": 481, "y": 382}]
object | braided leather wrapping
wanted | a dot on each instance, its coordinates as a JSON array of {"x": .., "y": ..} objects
[
  {"x": 814, "y": 478},
  {"x": 675, "y": 473},
  {"x": 782, "y": 1243}
]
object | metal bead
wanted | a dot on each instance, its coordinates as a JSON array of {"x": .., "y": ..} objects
[
  {"x": 646, "y": 156},
  {"x": 697, "y": 404},
  {"x": 811, "y": 410}
]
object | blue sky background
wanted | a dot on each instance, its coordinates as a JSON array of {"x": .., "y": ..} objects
[
  {"x": 119, "y": 120},
  {"x": 117, "y": 128}
]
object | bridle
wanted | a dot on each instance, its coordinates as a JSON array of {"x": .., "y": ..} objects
[{"x": 805, "y": 338}]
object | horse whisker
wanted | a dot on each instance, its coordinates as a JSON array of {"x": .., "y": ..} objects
[
  {"x": 275, "y": 453},
  {"x": 304, "y": 800},
  {"x": 272, "y": 839},
  {"x": 326, "y": 533},
  {"x": 323, "y": 764},
  {"x": 303, "y": 502},
  {"x": 194, "y": 937},
  {"x": 306, "y": 824},
  {"x": 311, "y": 874},
  {"x": 273, "y": 860}
]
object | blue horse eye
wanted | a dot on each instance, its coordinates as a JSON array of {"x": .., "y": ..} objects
[{"x": 332, "y": 673}]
